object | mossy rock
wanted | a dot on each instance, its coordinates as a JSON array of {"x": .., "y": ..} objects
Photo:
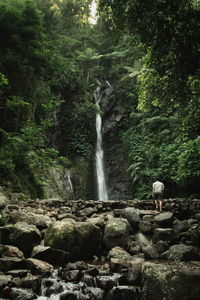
[{"x": 80, "y": 239}]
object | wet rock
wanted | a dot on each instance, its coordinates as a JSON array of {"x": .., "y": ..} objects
[
  {"x": 67, "y": 216},
  {"x": 133, "y": 274},
  {"x": 40, "y": 221},
  {"x": 181, "y": 226},
  {"x": 164, "y": 219},
  {"x": 10, "y": 263},
  {"x": 22, "y": 294},
  {"x": 164, "y": 234},
  {"x": 161, "y": 281},
  {"x": 88, "y": 211},
  {"x": 4, "y": 281},
  {"x": 37, "y": 266},
  {"x": 132, "y": 215},
  {"x": 72, "y": 275},
  {"x": 150, "y": 252},
  {"x": 116, "y": 265},
  {"x": 97, "y": 221},
  {"x": 94, "y": 293},
  {"x": 148, "y": 218},
  {"x": 53, "y": 256},
  {"x": 80, "y": 239},
  {"x": 108, "y": 282},
  {"x": 124, "y": 293},
  {"x": 145, "y": 227},
  {"x": 12, "y": 251},
  {"x": 117, "y": 233},
  {"x": 32, "y": 282},
  {"x": 24, "y": 236},
  {"x": 17, "y": 273},
  {"x": 89, "y": 280},
  {"x": 161, "y": 247},
  {"x": 182, "y": 252},
  {"x": 78, "y": 265},
  {"x": 119, "y": 253},
  {"x": 134, "y": 249}
]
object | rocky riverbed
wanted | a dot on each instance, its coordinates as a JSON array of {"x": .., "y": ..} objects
[{"x": 110, "y": 250}]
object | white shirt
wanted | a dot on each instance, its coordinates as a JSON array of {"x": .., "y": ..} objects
[{"x": 158, "y": 187}]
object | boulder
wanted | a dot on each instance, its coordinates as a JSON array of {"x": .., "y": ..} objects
[
  {"x": 12, "y": 251},
  {"x": 108, "y": 282},
  {"x": 22, "y": 294},
  {"x": 55, "y": 257},
  {"x": 181, "y": 226},
  {"x": 119, "y": 253},
  {"x": 182, "y": 252},
  {"x": 117, "y": 233},
  {"x": 162, "y": 281},
  {"x": 39, "y": 220},
  {"x": 150, "y": 252},
  {"x": 124, "y": 292},
  {"x": 145, "y": 227},
  {"x": 24, "y": 236},
  {"x": 4, "y": 281},
  {"x": 164, "y": 219},
  {"x": 164, "y": 234},
  {"x": 37, "y": 266},
  {"x": 132, "y": 215},
  {"x": 79, "y": 239},
  {"x": 10, "y": 263}
]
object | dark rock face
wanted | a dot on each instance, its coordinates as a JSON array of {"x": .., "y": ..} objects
[
  {"x": 115, "y": 159},
  {"x": 116, "y": 165}
]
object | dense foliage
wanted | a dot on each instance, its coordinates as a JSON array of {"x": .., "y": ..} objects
[
  {"x": 50, "y": 59},
  {"x": 162, "y": 138}
]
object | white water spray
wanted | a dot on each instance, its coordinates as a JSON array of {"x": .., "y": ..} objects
[{"x": 101, "y": 183}]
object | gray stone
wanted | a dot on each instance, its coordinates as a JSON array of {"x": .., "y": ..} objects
[
  {"x": 108, "y": 282},
  {"x": 181, "y": 226},
  {"x": 119, "y": 253},
  {"x": 40, "y": 221},
  {"x": 22, "y": 294},
  {"x": 148, "y": 218},
  {"x": 117, "y": 233},
  {"x": 161, "y": 247},
  {"x": 124, "y": 292},
  {"x": 145, "y": 227},
  {"x": 11, "y": 251},
  {"x": 183, "y": 252},
  {"x": 79, "y": 239},
  {"x": 150, "y": 252},
  {"x": 132, "y": 215},
  {"x": 55, "y": 257},
  {"x": 170, "y": 282},
  {"x": 24, "y": 236},
  {"x": 10, "y": 263},
  {"x": 164, "y": 219},
  {"x": 4, "y": 281},
  {"x": 164, "y": 234},
  {"x": 37, "y": 266}
]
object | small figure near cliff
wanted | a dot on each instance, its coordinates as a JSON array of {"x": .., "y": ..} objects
[{"x": 157, "y": 194}]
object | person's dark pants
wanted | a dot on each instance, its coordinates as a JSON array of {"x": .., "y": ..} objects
[{"x": 158, "y": 196}]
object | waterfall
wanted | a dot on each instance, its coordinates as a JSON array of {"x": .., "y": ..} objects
[{"x": 101, "y": 183}]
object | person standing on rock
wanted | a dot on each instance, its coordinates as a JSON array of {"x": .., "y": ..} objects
[{"x": 157, "y": 193}]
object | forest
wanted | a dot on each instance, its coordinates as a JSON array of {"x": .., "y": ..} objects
[{"x": 52, "y": 54}]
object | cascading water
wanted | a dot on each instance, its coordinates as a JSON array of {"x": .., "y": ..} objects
[{"x": 101, "y": 183}]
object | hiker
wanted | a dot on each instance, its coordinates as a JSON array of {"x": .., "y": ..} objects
[{"x": 157, "y": 193}]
